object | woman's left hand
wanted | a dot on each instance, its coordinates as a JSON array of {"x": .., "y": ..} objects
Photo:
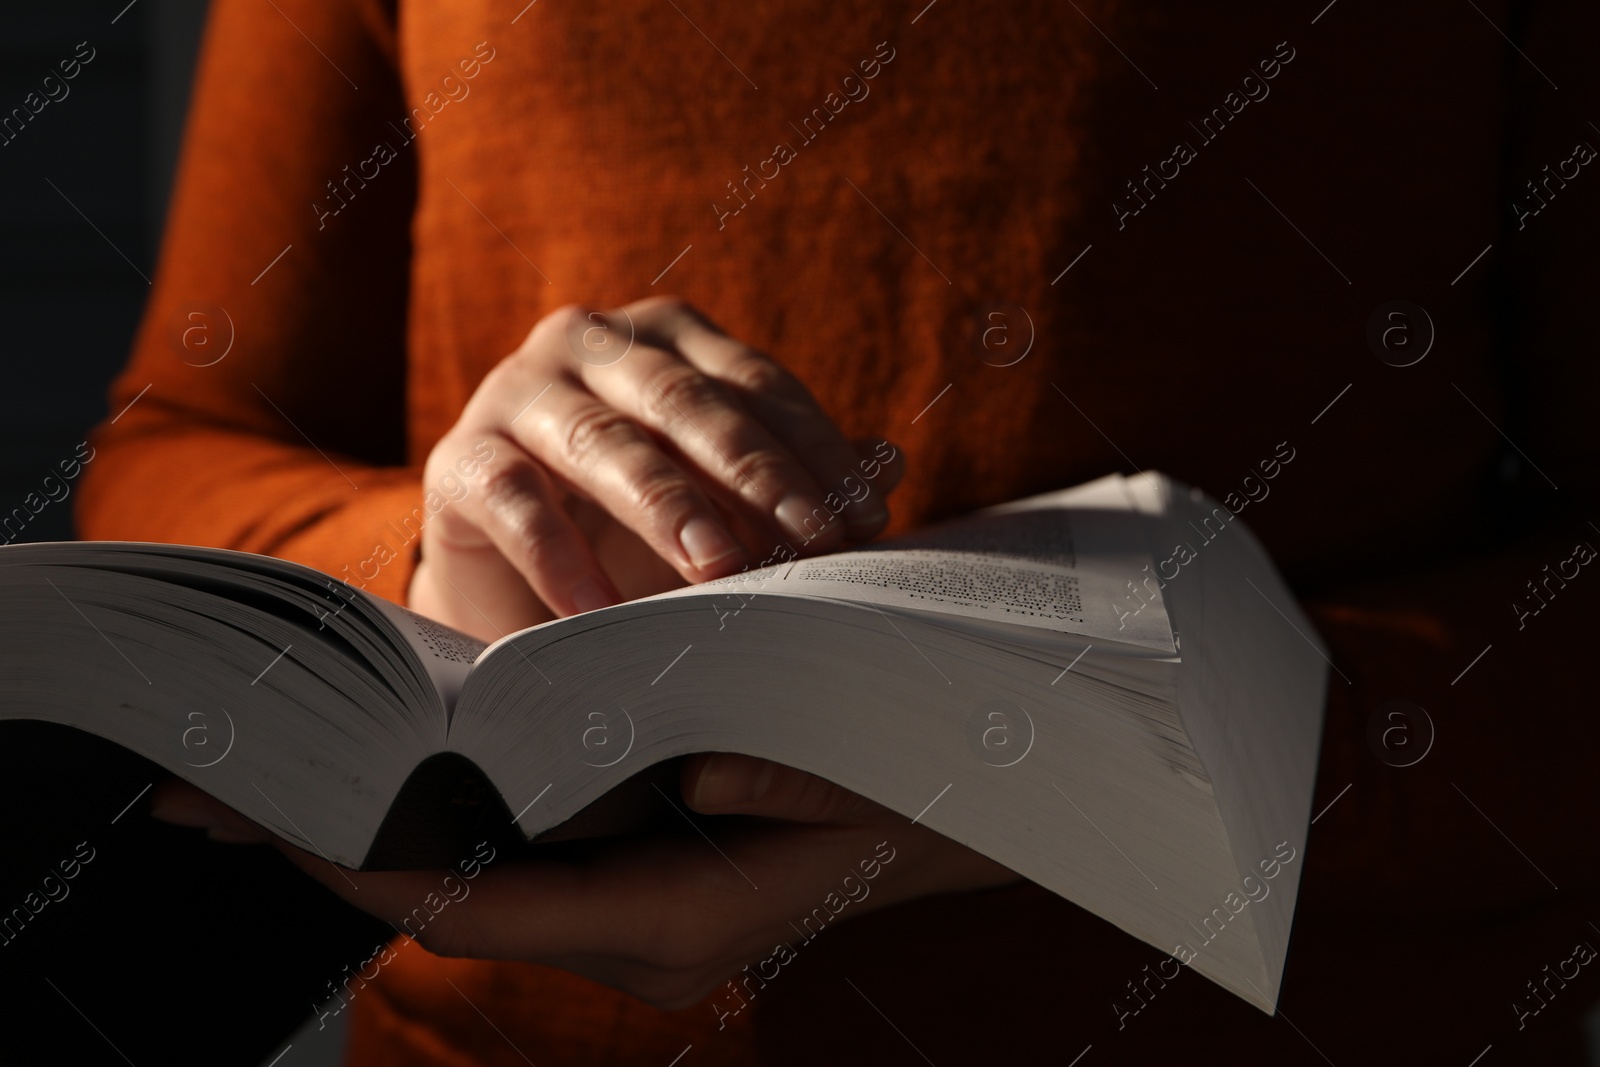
[{"x": 664, "y": 918}]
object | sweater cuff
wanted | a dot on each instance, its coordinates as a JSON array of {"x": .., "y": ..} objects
[{"x": 375, "y": 546}]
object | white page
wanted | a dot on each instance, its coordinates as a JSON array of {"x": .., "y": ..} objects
[{"x": 1074, "y": 562}]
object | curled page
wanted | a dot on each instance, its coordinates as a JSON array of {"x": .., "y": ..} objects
[{"x": 1075, "y": 561}]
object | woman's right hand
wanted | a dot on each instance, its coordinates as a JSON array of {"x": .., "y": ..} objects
[{"x": 633, "y": 451}]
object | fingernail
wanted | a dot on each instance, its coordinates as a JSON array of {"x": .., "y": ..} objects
[
  {"x": 800, "y": 515},
  {"x": 183, "y": 815},
  {"x": 705, "y": 542},
  {"x": 590, "y": 595},
  {"x": 731, "y": 781},
  {"x": 868, "y": 512}
]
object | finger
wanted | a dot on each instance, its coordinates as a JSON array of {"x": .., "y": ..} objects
[
  {"x": 778, "y": 400},
  {"x": 875, "y": 476},
  {"x": 880, "y": 468},
  {"x": 600, "y": 449},
  {"x": 390, "y": 895},
  {"x": 716, "y": 433},
  {"x": 516, "y": 517},
  {"x": 546, "y": 910},
  {"x": 181, "y": 804},
  {"x": 727, "y": 783}
]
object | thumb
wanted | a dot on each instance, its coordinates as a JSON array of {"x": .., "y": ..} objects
[
  {"x": 388, "y": 894},
  {"x": 727, "y": 783},
  {"x": 182, "y": 804},
  {"x": 880, "y": 456}
]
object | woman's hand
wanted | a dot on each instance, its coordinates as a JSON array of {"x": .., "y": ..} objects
[
  {"x": 664, "y": 918},
  {"x": 633, "y": 451}
]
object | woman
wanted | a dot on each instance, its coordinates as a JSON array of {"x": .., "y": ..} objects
[{"x": 1026, "y": 245}]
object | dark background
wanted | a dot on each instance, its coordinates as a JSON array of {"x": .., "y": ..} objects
[{"x": 168, "y": 949}]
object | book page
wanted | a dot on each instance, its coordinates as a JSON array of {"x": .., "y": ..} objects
[
  {"x": 446, "y": 654},
  {"x": 1074, "y": 562}
]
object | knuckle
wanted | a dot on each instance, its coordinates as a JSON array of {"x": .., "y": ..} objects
[
  {"x": 548, "y": 338},
  {"x": 594, "y": 431},
  {"x": 664, "y": 303},
  {"x": 504, "y": 483},
  {"x": 758, "y": 374},
  {"x": 674, "y": 392},
  {"x": 441, "y": 459},
  {"x": 665, "y": 318},
  {"x": 514, "y": 501},
  {"x": 495, "y": 384},
  {"x": 764, "y": 474},
  {"x": 663, "y": 493},
  {"x": 556, "y": 322}
]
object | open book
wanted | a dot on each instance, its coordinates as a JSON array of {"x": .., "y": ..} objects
[{"x": 1107, "y": 689}]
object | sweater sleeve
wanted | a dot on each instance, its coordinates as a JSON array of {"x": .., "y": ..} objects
[{"x": 263, "y": 408}]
